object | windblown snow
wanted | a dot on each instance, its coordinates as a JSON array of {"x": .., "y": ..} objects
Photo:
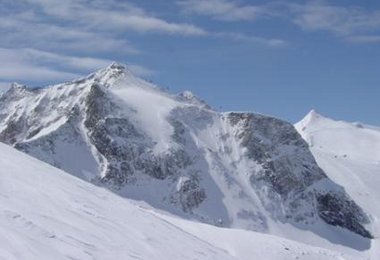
[{"x": 152, "y": 121}]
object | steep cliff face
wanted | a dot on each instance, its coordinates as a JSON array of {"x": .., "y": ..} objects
[
  {"x": 290, "y": 173},
  {"x": 232, "y": 169}
]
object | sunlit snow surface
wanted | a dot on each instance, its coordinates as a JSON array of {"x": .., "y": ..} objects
[
  {"x": 349, "y": 153},
  {"x": 48, "y": 214}
]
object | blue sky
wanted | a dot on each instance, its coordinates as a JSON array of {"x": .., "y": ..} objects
[{"x": 281, "y": 58}]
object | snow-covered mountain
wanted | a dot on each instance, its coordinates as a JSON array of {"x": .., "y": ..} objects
[
  {"x": 234, "y": 169},
  {"x": 48, "y": 214},
  {"x": 349, "y": 153}
]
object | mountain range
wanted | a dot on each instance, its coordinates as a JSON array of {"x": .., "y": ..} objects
[{"x": 173, "y": 159}]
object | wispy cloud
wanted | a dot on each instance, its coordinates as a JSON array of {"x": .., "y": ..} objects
[
  {"x": 350, "y": 23},
  {"x": 140, "y": 70},
  {"x": 341, "y": 20},
  {"x": 232, "y": 11},
  {"x": 19, "y": 64},
  {"x": 53, "y": 40},
  {"x": 112, "y": 15},
  {"x": 57, "y": 40},
  {"x": 228, "y": 10},
  {"x": 241, "y": 37},
  {"x": 36, "y": 65},
  {"x": 364, "y": 39},
  {"x": 24, "y": 34},
  {"x": 89, "y": 26}
]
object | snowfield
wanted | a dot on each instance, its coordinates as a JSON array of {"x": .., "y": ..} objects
[
  {"x": 49, "y": 214},
  {"x": 349, "y": 153}
]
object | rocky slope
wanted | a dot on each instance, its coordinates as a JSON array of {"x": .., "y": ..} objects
[{"x": 232, "y": 169}]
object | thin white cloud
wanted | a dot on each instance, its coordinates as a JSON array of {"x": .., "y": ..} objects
[
  {"x": 348, "y": 22},
  {"x": 70, "y": 62},
  {"x": 24, "y": 32},
  {"x": 311, "y": 16},
  {"x": 232, "y": 11},
  {"x": 81, "y": 26},
  {"x": 342, "y": 20},
  {"x": 364, "y": 39},
  {"x": 82, "y": 64},
  {"x": 16, "y": 66},
  {"x": 229, "y": 10},
  {"x": 111, "y": 15},
  {"x": 268, "y": 42},
  {"x": 36, "y": 65},
  {"x": 140, "y": 70},
  {"x": 152, "y": 24},
  {"x": 40, "y": 39}
]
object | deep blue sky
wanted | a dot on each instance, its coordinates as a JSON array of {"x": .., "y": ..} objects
[{"x": 281, "y": 58}]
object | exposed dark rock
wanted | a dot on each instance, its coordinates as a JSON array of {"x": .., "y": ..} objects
[
  {"x": 290, "y": 170},
  {"x": 340, "y": 211},
  {"x": 190, "y": 194}
]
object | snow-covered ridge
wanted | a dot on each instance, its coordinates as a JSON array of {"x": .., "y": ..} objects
[
  {"x": 349, "y": 153},
  {"x": 241, "y": 170},
  {"x": 341, "y": 138}
]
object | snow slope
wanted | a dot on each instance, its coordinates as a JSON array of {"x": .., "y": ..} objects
[
  {"x": 48, "y": 214},
  {"x": 349, "y": 153}
]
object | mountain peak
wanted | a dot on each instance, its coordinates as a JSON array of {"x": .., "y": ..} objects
[
  {"x": 17, "y": 86},
  {"x": 309, "y": 120},
  {"x": 117, "y": 66},
  {"x": 112, "y": 73},
  {"x": 187, "y": 95},
  {"x": 311, "y": 117},
  {"x": 14, "y": 88},
  {"x": 313, "y": 114},
  {"x": 113, "y": 69}
]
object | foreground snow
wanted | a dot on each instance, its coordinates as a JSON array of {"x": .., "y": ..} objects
[{"x": 49, "y": 214}]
